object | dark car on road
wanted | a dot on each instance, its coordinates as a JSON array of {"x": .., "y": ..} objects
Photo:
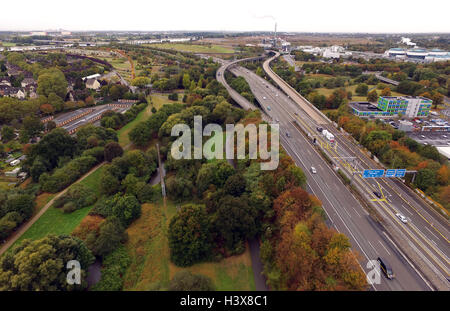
[{"x": 386, "y": 268}]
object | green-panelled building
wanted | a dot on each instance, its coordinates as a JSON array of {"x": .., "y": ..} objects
[{"x": 407, "y": 106}]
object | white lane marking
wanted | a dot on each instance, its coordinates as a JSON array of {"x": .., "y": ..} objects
[
  {"x": 372, "y": 246},
  {"x": 431, "y": 233},
  {"x": 384, "y": 248},
  {"x": 407, "y": 210}
]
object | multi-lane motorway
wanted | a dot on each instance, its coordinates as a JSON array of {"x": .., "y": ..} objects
[
  {"x": 344, "y": 211},
  {"x": 425, "y": 236}
]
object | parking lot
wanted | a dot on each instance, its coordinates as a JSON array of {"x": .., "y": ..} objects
[
  {"x": 71, "y": 121},
  {"x": 438, "y": 139}
]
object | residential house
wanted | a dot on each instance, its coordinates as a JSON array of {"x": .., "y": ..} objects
[
  {"x": 28, "y": 81},
  {"x": 93, "y": 84},
  {"x": 13, "y": 92},
  {"x": 5, "y": 81},
  {"x": 13, "y": 70}
]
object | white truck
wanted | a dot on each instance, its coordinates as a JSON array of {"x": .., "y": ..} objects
[{"x": 328, "y": 135}]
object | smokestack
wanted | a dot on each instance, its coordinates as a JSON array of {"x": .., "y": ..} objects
[{"x": 275, "y": 35}]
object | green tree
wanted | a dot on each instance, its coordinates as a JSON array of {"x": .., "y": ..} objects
[
  {"x": 40, "y": 265},
  {"x": 425, "y": 179},
  {"x": 32, "y": 125},
  {"x": 189, "y": 236},
  {"x": 111, "y": 234},
  {"x": 362, "y": 89},
  {"x": 372, "y": 96},
  {"x": 112, "y": 150},
  {"x": 7, "y": 133},
  {"x": 52, "y": 81}
]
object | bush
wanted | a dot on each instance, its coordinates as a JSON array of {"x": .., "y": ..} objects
[
  {"x": 186, "y": 281},
  {"x": 173, "y": 96},
  {"x": 66, "y": 175},
  {"x": 114, "y": 267}
]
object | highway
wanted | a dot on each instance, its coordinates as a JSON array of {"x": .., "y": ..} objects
[
  {"x": 344, "y": 211},
  {"x": 426, "y": 232}
]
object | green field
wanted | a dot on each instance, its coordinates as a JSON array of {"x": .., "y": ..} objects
[
  {"x": 151, "y": 268},
  {"x": 7, "y": 44},
  {"x": 193, "y": 48},
  {"x": 327, "y": 92},
  {"x": 54, "y": 221}
]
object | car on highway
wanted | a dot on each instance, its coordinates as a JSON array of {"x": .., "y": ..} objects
[
  {"x": 386, "y": 268},
  {"x": 276, "y": 94},
  {"x": 264, "y": 97},
  {"x": 278, "y": 120},
  {"x": 313, "y": 170},
  {"x": 319, "y": 129},
  {"x": 287, "y": 134},
  {"x": 268, "y": 108},
  {"x": 377, "y": 194},
  {"x": 402, "y": 218}
]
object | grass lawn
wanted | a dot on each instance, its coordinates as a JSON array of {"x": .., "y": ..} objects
[
  {"x": 193, "y": 48},
  {"x": 7, "y": 44},
  {"x": 54, "y": 221},
  {"x": 151, "y": 268},
  {"x": 158, "y": 101}
]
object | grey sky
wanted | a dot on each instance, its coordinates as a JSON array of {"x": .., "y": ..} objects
[{"x": 231, "y": 15}]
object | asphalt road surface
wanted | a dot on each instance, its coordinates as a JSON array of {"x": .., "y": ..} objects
[{"x": 344, "y": 211}]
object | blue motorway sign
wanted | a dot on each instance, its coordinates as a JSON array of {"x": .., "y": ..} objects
[
  {"x": 390, "y": 173},
  {"x": 400, "y": 173},
  {"x": 373, "y": 173}
]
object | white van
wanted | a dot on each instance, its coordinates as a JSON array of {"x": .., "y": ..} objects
[{"x": 14, "y": 163}]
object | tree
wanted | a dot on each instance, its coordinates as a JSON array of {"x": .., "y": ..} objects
[
  {"x": 32, "y": 125},
  {"x": 52, "y": 81},
  {"x": 125, "y": 208},
  {"x": 112, "y": 150},
  {"x": 7, "y": 133},
  {"x": 235, "y": 185},
  {"x": 187, "y": 281},
  {"x": 443, "y": 175},
  {"x": 189, "y": 236},
  {"x": 40, "y": 265},
  {"x": 111, "y": 234},
  {"x": 50, "y": 125},
  {"x": 235, "y": 221},
  {"x": 47, "y": 109},
  {"x": 186, "y": 81},
  {"x": 55, "y": 101},
  {"x": 58, "y": 143},
  {"x": 21, "y": 203},
  {"x": 141, "y": 134},
  {"x": 140, "y": 82},
  {"x": 386, "y": 92},
  {"x": 362, "y": 89},
  {"x": 425, "y": 179},
  {"x": 108, "y": 183},
  {"x": 372, "y": 96}
]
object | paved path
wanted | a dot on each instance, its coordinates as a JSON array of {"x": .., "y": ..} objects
[{"x": 22, "y": 229}]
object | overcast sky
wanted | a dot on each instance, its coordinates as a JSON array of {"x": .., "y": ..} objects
[{"x": 230, "y": 15}]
